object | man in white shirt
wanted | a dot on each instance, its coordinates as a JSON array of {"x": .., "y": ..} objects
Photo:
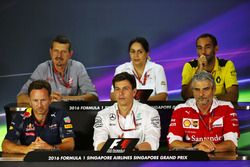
[{"x": 127, "y": 118}]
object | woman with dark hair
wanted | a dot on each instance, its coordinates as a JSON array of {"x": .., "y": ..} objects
[{"x": 149, "y": 75}]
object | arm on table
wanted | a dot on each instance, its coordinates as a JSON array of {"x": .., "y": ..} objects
[
  {"x": 224, "y": 146},
  {"x": 206, "y": 146},
  {"x": 11, "y": 147},
  {"x": 99, "y": 146},
  {"x": 179, "y": 144},
  {"x": 145, "y": 146},
  {"x": 67, "y": 144}
]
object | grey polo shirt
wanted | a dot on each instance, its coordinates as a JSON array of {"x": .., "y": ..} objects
[{"x": 75, "y": 81}]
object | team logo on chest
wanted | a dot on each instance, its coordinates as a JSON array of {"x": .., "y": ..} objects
[
  {"x": 218, "y": 122},
  {"x": 190, "y": 123},
  {"x": 112, "y": 116},
  {"x": 218, "y": 79},
  {"x": 53, "y": 126},
  {"x": 30, "y": 127},
  {"x": 67, "y": 119}
]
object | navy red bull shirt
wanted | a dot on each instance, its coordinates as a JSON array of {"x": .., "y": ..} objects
[
  {"x": 25, "y": 129},
  {"x": 188, "y": 124}
]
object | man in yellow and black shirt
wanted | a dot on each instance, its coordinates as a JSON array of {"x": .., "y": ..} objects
[{"x": 223, "y": 71}]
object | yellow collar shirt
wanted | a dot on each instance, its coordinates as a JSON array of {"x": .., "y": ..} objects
[{"x": 224, "y": 74}]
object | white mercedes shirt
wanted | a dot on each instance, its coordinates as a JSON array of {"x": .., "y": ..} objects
[{"x": 142, "y": 122}]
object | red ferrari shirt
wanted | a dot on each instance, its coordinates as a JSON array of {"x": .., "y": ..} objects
[{"x": 188, "y": 124}]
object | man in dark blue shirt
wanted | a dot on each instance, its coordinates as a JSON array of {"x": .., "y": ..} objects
[{"x": 39, "y": 127}]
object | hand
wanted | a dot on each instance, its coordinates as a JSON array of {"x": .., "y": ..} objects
[
  {"x": 42, "y": 144},
  {"x": 38, "y": 144},
  {"x": 56, "y": 96},
  {"x": 206, "y": 146},
  {"x": 145, "y": 146},
  {"x": 34, "y": 145},
  {"x": 202, "y": 63}
]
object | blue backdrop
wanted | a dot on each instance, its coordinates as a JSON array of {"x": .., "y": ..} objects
[
  {"x": 100, "y": 32},
  {"x": 101, "y": 29}
]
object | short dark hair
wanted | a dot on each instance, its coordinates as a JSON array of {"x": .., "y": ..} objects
[
  {"x": 207, "y": 35},
  {"x": 140, "y": 40},
  {"x": 124, "y": 76},
  {"x": 39, "y": 84},
  {"x": 61, "y": 39}
]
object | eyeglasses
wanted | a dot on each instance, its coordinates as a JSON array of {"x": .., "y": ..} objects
[{"x": 126, "y": 130}]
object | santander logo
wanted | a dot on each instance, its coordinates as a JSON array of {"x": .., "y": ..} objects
[{"x": 211, "y": 138}]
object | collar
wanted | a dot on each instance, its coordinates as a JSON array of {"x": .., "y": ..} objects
[
  {"x": 51, "y": 113},
  {"x": 148, "y": 66},
  {"x": 134, "y": 107},
  {"x": 40, "y": 124}
]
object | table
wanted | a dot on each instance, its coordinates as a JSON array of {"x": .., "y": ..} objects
[
  {"x": 89, "y": 156},
  {"x": 83, "y": 115}
]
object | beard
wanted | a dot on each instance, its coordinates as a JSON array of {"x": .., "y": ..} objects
[{"x": 202, "y": 101}]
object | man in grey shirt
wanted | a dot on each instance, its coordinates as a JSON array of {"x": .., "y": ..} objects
[{"x": 68, "y": 78}]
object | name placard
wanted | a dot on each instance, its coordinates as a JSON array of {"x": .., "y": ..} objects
[{"x": 45, "y": 156}]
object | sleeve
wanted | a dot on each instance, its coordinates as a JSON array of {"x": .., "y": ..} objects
[
  {"x": 187, "y": 74},
  {"x": 231, "y": 75},
  {"x": 100, "y": 131},
  {"x": 85, "y": 84},
  {"x": 231, "y": 126},
  {"x": 15, "y": 129},
  {"x": 37, "y": 74},
  {"x": 66, "y": 127},
  {"x": 176, "y": 131},
  {"x": 152, "y": 129},
  {"x": 161, "y": 81}
]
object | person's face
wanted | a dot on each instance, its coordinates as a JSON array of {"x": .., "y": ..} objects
[
  {"x": 124, "y": 93},
  {"x": 203, "y": 92},
  {"x": 205, "y": 47},
  {"x": 137, "y": 54},
  {"x": 40, "y": 101},
  {"x": 60, "y": 55}
]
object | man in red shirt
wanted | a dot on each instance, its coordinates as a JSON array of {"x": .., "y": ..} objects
[{"x": 204, "y": 122}]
